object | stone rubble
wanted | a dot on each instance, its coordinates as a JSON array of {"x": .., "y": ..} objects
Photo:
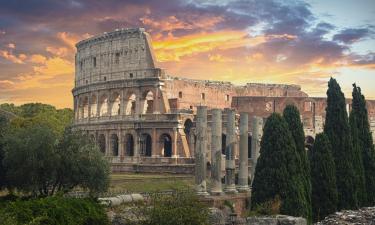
[{"x": 363, "y": 216}]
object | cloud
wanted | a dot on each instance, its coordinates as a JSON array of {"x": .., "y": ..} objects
[
  {"x": 18, "y": 59},
  {"x": 352, "y": 35}
]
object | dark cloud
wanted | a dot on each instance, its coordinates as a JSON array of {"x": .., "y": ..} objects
[{"x": 352, "y": 35}]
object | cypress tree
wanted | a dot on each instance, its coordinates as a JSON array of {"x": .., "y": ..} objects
[
  {"x": 323, "y": 178},
  {"x": 365, "y": 142},
  {"x": 338, "y": 131},
  {"x": 276, "y": 173},
  {"x": 357, "y": 163},
  {"x": 293, "y": 119}
]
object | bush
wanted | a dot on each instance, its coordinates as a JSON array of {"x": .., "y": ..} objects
[
  {"x": 180, "y": 208},
  {"x": 53, "y": 210},
  {"x": 271, "y": 207}
]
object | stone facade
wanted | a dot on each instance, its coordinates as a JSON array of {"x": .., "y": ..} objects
[{"x": 144, "y": 120}]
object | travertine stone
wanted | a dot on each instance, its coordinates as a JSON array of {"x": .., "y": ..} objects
[
  {"x": 243, "y": 175},
  {"x": 216, "y": 130},
  {"x": 257, "y": 131},
  {"x": 200, "y": 153},
  {"x": 230, "y": 166}
]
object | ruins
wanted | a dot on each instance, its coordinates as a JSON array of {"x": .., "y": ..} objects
[{"x": 148, "y": 121}]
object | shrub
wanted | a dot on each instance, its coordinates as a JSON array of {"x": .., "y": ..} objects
[{"x": 53, "y": 210}]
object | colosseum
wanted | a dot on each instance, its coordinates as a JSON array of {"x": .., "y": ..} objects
[{"x": 144, "y": 119}]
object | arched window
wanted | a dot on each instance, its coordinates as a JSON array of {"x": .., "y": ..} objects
[
  {"x": 116, "y": 101},
  {"x": 114, "y": 144},
  {"x": 131, "y": 105},
  {"x": 146, "y": 145},
  {"x": 166, "y": 144},
  {"x": 129, "y": 145},
  {"x": 148, "y": 105},
  {"x": 101, "y": 143},
  {"x": 103, "y": 108}
]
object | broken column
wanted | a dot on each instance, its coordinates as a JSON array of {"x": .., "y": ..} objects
[
  {"x": 216, "y": 130},
  {"x": 200, "y": 151},
  {"x": 243, "y": 184},
  {"x": 230, "y": 166},
  {"x": 257, "y": 132}
]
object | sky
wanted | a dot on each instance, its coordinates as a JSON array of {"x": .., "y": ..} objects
[{"x": 242, "y": 41}]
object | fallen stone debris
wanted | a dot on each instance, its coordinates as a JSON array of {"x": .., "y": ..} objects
[{"x": 363, "y": 216}]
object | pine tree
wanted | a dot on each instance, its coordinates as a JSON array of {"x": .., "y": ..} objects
[
  {"x": 323, "y": 178},
  {"x": 292, "y": 117},
  {"x": 276, "y": 173},
  {"x": 338, "y": 131},
  {"x": 365, "y": 142},
  {"x": 358, "y": 163}
]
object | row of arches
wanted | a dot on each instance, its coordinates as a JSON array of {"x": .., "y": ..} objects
[
  {"x": 165, "y": 143},
  {"x": 110, "y": 105}
]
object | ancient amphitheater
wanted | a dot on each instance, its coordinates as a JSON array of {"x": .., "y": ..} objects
[{"x": 145, "y": 120}]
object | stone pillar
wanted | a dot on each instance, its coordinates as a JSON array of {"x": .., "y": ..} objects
[
  {"x": 122, "y": 102},
  {"x": 230, "y": 167},
  {"x": 97, "y": 104},
  {"x": 257, "y": 132},
  {"x": 216, "y": 130},
  {"x": 174, "y": 143},
  {"x": 155, "y": 147},
  {"x": 200, "y": 153},
  {"x": 243, "y": 184},
  {"x": 136, "y": 140}
]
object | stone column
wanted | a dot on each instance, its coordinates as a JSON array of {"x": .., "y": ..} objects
[
  {"x": 200, "y": 153},
  {"x": 216, "y": 130},
  {"x": 243, "y": 184},
  {"x": 257, "y": 132},
  {"x": 175, "y": 143},
  {"x": 230, "y": 166},
  {"x": 122, "y": 103}
]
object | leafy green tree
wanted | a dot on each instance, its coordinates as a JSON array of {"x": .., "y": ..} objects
[
  {"x": 323, "y": 178},
  {"x": 81, "y": 163},
  {"x": 38, "y": 162},
  {"x": 293, "y": 118},
  {"x": 276, "y": 173},
  {"x": 365, "y": 143},
  {"x": 30, "y": 159},
  {"x": 3, "y": 127},
  {"x": 338, "y": 131}
]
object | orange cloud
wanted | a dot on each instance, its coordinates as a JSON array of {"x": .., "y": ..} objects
[{"x": 12, "y": 57}]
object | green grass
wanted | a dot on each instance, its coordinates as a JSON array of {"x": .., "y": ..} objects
[{"x": 149, "y": 182}]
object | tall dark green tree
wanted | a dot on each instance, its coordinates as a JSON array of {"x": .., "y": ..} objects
[
  {"x": 359, "y": 115},
  {"x": 358, "y": 163},
  {"x": 276, "y": 173},
  {"x": 3, "y": 127},
  {"x": 293, "y": 118},
  {"x": 323, "y": 178},
  {"x": 338, "y": 131}
]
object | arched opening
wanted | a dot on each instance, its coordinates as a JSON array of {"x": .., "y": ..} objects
[
  {"x": 166, "y": 144},
  {"x": 146, "y": 145},
  {"x": 148, "y": 106},
  {"x": 116, "y": 104},
  {"x": 103, "y": 109},
  {"x": 131, "y": 104},
  {"x": 94, "y": 105},
  {"x": 85, "y": 107},
  {"x": 309, "y": 142},
  {"x": 223, "y": 143},
  {"x": 187, "y": 126},
  {"x": 249, "y": 138},
  {"x": 114, "y": 144},
  {"x": 101, "y": 143},
  {"x": 129, "y": 145}
]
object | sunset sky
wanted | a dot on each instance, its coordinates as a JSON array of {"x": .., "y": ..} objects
[{"x": 293, "y": 42}]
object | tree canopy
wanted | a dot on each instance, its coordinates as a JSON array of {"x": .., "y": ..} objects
[
  {"x": 338, "y": 131},
  {"x": 276, "y": 173},
  {"x": 323, "y": 178}
]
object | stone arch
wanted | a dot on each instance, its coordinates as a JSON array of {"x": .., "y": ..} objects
[
  {"x": 115, "y": 104},
  {"x": 85, "y": 107},
  {"x": 309, "y": 142},
  {"x": 103, "y": 105},
  {"x": 223, "y": 143},
  {"x": 94, "y": 105},
  {"x": 146, "y": 145},
  {"x": 114, "y": 145},
  {"x": 148, "y": 102},
  {"x": 131, "y": 104},
  {"x": 129, "y": 145},
  {"x": 188, "y": 124},
  {"x": 165, "y": 141},
  {"x": 101, "y": 143}
]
